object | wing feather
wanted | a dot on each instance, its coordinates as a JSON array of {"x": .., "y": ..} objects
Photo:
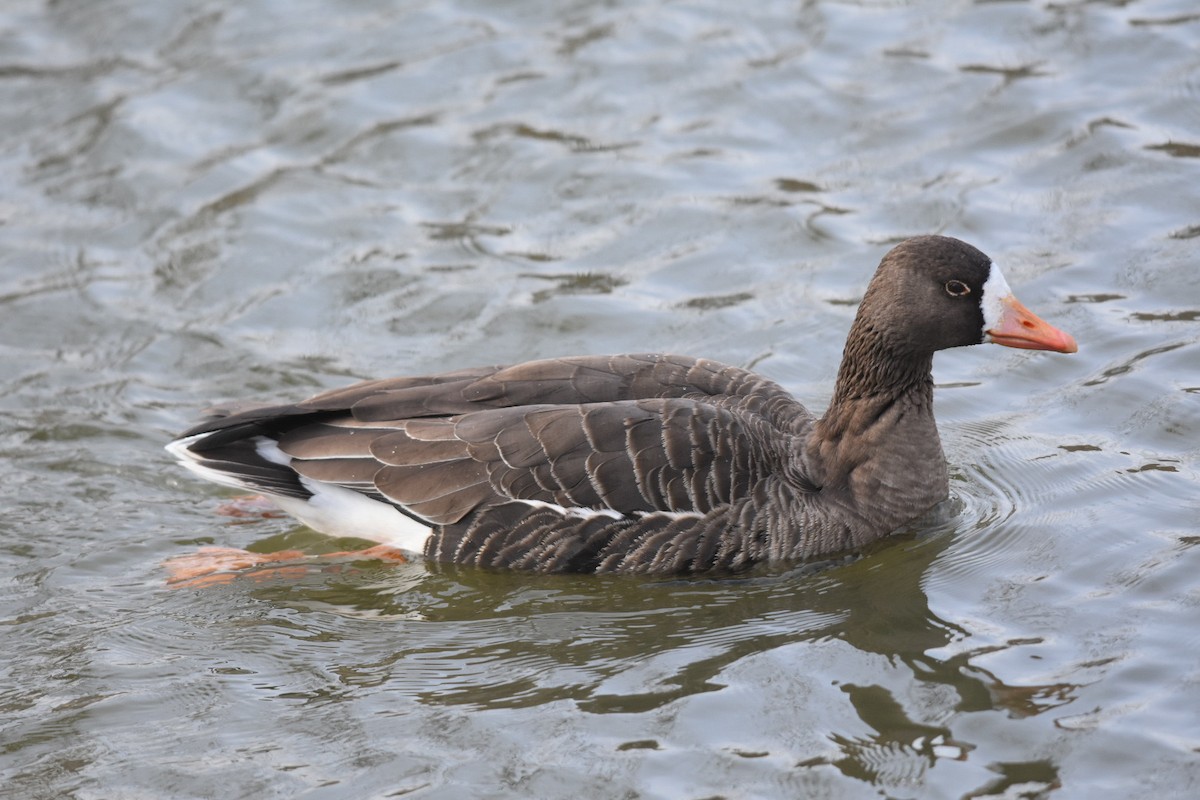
[
  {"x": 348, "y": 472},
  {"x": 399, "y": 448},
  {"x": 635, "y": 434},
  {"x": 442, "y": 493}
]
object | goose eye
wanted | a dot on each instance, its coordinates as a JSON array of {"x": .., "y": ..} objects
[{"x": 957, "y": 288}]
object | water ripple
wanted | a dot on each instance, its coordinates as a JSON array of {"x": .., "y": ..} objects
[{"x": 259, "y": 199}]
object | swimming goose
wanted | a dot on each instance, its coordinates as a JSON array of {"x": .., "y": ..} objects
[{"x": 657, "y": 464}]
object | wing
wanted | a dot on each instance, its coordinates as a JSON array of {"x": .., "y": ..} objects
[
  {"x": 566, "y": 381},
  {"x": 674, "y": 455},
  {"x": 623, "y": 434}
]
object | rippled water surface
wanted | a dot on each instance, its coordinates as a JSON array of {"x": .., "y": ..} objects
[{"x": 214, "y": 200}]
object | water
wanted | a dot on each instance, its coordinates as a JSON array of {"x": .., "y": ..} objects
[{"x": 218, "y": 200}]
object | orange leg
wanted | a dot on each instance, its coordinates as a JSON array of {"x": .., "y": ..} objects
[
  {"x": 250, "y": 505},
  {"x": 210, "y": 566}
]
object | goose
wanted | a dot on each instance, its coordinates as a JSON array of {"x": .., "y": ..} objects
[{"x": 640, "y": 463}]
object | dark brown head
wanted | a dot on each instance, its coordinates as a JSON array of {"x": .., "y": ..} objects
[{"x": 934, "y": 292}]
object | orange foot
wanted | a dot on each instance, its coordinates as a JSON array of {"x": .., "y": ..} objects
[
  {"x": 250, "y": 505},
  {"x": 380, "y": 552},
  {"x": 211, "y": 566}
]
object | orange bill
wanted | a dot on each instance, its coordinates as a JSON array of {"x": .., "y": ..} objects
[{"x": 1020, "y": 327}]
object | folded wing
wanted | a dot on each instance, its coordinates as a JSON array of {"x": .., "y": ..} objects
[{"x": 626, "y": 435}]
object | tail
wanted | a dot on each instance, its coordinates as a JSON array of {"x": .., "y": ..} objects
[{"x": 243, "y": 457}]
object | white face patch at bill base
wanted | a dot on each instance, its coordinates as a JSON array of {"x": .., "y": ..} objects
[{"x": 995, "y": 292}]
